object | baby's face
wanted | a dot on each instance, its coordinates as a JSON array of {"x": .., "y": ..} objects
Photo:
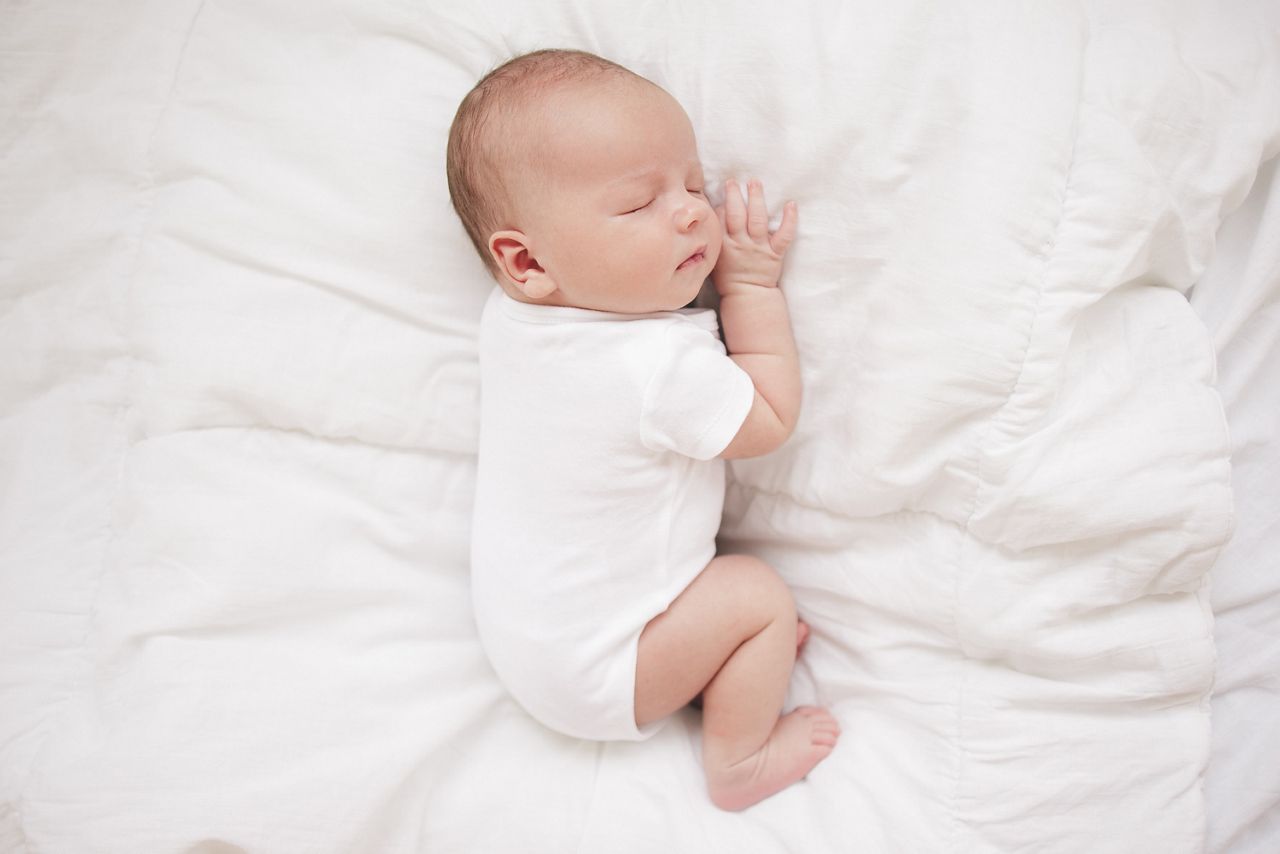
[{"x": 616, "y": 214}]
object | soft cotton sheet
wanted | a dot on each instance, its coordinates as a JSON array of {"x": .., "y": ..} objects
[{"x": 238, "y": 421}]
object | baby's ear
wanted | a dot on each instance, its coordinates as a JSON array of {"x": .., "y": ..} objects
[{"x": 510, "y": 252}]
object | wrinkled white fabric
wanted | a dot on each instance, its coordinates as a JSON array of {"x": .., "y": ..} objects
[
  {"x": 1239, "y": 299},
  {"x": 238, "y": 419}
]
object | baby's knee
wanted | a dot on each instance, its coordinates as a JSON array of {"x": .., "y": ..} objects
[{"x": 758, "y": 587}]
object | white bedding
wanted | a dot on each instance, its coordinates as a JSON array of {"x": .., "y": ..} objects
[
  {"x": 1239, "y": 299},
  {"x": 237, "y": 427}
]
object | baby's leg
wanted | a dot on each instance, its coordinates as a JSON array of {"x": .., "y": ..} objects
[
  {"x": 802, "y": 638},
  {"x": 732, "y": 634}
]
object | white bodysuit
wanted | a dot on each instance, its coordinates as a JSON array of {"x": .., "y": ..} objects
[{"x": 598, "y": 495}]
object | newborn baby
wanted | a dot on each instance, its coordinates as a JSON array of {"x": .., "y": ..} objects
[{"x": 607, "y": 411}]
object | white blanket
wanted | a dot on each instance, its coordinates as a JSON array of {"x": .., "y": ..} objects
[
  {"x": 1239, "y": 298},
  {"x": 237, "y": 423}
]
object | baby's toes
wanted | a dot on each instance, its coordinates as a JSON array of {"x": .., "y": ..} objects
[
  {"x": 823, "y": 728},
  {"x": 802, "y": 635},
  {"x": 825, "y": 735},
  {"x": 826, "y": 731},
  {"x": 817, "y": 714},
  {"x": 824, "y": 739}
]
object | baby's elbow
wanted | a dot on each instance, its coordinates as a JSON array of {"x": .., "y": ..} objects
[{"x": 757, "y": 439}]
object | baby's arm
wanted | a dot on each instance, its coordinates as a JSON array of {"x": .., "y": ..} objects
[{"x": 753, "y": 311}]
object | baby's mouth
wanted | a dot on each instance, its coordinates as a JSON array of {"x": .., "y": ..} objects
[{"x": 695, "y": 258}]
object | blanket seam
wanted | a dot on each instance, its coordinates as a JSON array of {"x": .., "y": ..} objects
[
  {"x": 966, "y": 532},
  {"x": 146, "y": 212},
  {"x": 334, "y": 439}
]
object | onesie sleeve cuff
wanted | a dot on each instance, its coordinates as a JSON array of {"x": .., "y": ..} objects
[
  {"x": 697, "y": 397},
  {"x": 729, "y": 420}
]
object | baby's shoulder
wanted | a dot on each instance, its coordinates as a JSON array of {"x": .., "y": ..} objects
[{"x": 672, "y": 333}]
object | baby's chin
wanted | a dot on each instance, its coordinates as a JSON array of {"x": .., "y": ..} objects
[
  {"x": 677, "y": 292},
  {"x": 672, "y": 304},
  {"x": 684, "y": 299}
]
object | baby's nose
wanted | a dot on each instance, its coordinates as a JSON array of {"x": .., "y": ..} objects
[{"x": 688, "y": 214}]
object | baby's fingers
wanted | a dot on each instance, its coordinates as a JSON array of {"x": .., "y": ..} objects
[
  {"x": 735, "y": 212},
  {"x": 781, "y": 239},
  {"x": 757, "y": 211}
]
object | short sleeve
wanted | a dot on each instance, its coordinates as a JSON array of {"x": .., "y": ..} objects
[{"x": 697, "y": 398}]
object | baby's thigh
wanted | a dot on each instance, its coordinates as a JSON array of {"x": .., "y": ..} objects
[{"x": 681, "y": 649}]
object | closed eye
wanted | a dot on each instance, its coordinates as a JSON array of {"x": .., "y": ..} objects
[{"x": 636, "y": 210}]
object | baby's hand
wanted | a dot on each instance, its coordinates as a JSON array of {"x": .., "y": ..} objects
[{"x": 750, "y": 256}]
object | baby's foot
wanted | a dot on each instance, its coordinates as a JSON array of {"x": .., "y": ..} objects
[{"x": 799, "y": 741}]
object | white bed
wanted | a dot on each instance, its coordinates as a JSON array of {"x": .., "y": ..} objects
[{"x": 238, "y": 421}]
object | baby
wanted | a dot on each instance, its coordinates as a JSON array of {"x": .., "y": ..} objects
[{"x": 607, "y": 411}]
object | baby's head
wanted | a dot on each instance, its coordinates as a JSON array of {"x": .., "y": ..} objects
[{"x": 579, "y": 184}]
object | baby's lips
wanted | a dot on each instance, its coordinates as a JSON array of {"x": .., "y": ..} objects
[{"x": 701, "y": 250}]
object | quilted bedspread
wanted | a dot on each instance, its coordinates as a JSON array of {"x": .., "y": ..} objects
[{"x": 238, "y": 420}]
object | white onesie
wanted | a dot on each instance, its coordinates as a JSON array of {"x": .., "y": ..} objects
[{"x": 598, "y": 495}]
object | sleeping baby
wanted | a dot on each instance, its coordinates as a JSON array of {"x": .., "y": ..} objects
[{"x": 607, "y": 411}]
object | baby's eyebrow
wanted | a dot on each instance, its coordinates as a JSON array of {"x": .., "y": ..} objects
[
  {"x": 635, "y": 177},
  {"x": 651, "y": 173}
]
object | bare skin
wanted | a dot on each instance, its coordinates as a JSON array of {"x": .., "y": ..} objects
[
  {"x": 802, "y": 638},
  {"x": 733, "y": 634}
]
